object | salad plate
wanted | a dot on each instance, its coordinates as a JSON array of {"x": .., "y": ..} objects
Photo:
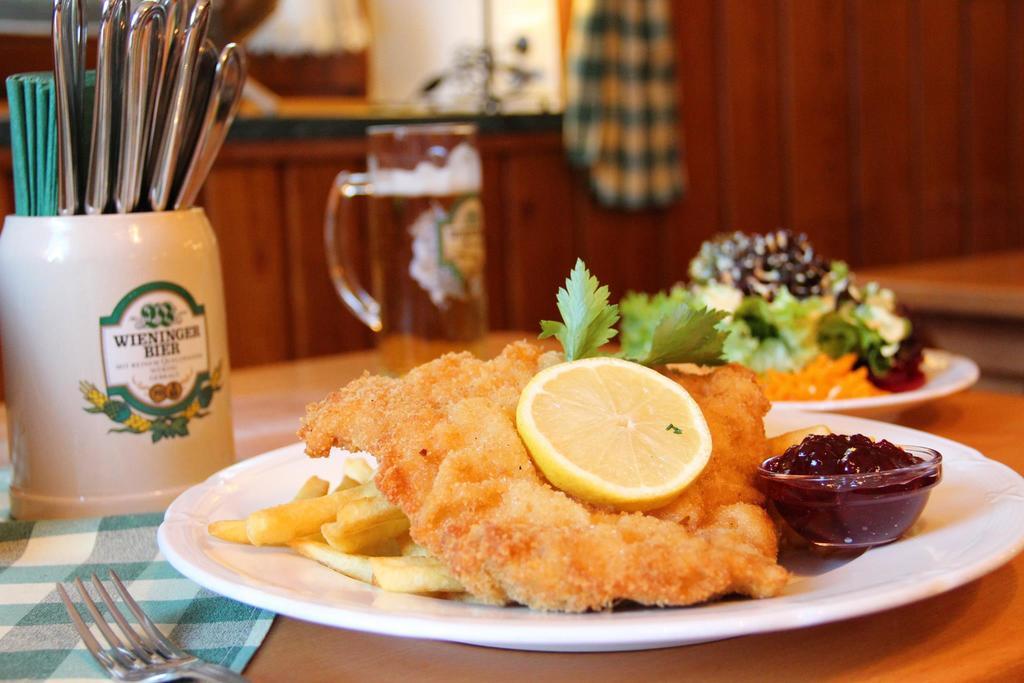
[
  {"x": 970, "y": 527},
  {"x": 947, "y": 373},
  {"x": 818, "y": 338}
]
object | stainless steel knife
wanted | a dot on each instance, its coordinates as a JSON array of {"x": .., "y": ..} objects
[
  {"x": 146, "y": 35},
  {"x": 106, "y": 113},
  {"x": 176, "y": 126},
  {"x": 69, "y": 82}
]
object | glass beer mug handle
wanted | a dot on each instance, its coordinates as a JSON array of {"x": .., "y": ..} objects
[{"x": 339, "y": 257}]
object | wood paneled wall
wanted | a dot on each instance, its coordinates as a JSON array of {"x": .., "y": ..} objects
[{"x": 888, "y": 130}]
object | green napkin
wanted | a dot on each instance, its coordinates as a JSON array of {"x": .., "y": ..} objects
[
  {"x": 33, "y": 114},
  {"x": 23, "y": 204},
  {"x": 37, "y": 639},
  {"x": 45, "y": 131}
]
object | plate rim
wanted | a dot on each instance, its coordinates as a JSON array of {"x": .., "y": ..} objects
[
  {"x": 898, "y": 399},
  {"x": 647, "y": 627}
]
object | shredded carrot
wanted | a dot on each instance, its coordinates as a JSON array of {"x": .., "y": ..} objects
[{"x": 823, "y": 379}]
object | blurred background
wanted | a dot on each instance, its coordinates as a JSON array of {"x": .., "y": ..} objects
[{"x": 889, "y": 131}]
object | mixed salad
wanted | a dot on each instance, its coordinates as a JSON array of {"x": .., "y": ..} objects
[{"x": 785, "y": 306}]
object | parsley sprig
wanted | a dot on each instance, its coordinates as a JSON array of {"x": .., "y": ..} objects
[
  {"x": 683, "y": 334},
  {"x": 588, "y": 319}
]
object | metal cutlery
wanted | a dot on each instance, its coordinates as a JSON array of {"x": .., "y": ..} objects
[
  {"x": 146, "y": 34},
  {"x": 221, "y": 107},
  {"x": 69, "y": 82},
  {"x": 103, "y": 155},
  {"x": 143, "y": 654},
  {"x": 178, "y": 14},
  {"x": 177, "y": 22},
  {"x": 177, "y": 114},
  {"x": 164, "y": 100},
  {"x": 206, "y": 71}
]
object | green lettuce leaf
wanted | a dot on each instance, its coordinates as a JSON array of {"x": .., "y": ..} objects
[
  {"x": 843, "y": 331},
  {"x": 780, "y": 334}
]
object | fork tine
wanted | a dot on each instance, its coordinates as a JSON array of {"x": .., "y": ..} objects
[
  {"x": 137, "y": 646},
  {"x": 157, "y": 639},
  {"x": 88, "y": 638},
  {"x": 117, "y": 649}
]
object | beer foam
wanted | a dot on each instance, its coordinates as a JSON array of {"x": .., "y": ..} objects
[{"x": 461, "y": 173}]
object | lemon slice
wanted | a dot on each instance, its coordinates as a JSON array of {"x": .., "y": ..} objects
[{"x": 611, "y": 431}]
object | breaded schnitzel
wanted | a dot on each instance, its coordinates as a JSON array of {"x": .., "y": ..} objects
[{"x": 451, "y": 458}]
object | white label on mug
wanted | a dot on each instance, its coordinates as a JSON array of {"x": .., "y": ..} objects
[
  {"x": 156, "y": 363},
  {"x": 448, "y": 250}
]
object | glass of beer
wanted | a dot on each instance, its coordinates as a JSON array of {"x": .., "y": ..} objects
[{"x": 425, "y": 245}]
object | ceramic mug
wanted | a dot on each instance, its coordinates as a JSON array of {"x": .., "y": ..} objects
[{"x": 115, "y": 361}]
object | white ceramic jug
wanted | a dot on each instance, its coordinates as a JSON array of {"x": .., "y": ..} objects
[{"x": 115, "y": 361}]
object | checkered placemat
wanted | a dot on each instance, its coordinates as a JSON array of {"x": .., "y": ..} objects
[{"x": 37, "y": 640}]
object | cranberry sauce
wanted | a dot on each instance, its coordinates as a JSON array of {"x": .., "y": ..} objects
[
  {"x": 840, "y": 454},
  {"x": 849, "y": 491}
]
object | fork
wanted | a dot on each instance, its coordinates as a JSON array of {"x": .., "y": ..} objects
[{"x": 146, "y": 657}]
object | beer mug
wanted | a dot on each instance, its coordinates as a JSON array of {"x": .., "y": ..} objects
[
  {"x": 116, "y": 365},
  {"x": 426, "y": 242}
]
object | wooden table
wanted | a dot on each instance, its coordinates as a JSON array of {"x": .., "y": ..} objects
[
  {"x": 990, "y": 284},
  {"x": 972, "y": 305},
  {"x": 975, "y": 632}
]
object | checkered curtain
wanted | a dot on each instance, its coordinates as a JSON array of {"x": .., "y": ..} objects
[{"x": 621, "y": 121}]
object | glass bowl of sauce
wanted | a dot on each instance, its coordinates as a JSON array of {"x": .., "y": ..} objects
[{"x": 841, "y": 491}]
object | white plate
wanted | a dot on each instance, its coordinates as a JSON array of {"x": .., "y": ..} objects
[
  {"x": 970, "y": 527},
  {"x": 951, "y": 373}
]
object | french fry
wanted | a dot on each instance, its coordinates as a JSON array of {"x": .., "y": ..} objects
[
  {"x": 413, "y": 575},
  {"x": 346, "y": 483},
  {"x": 389, "y": 547},
  {"x": 230, "y": 530},
  {"x": 341, "y": 537},
  {"x": 365, "y": 523},
  {"x": 313, "y": 488},
  {"x": 354, "y": 531},
  {"x": 412, "y": 549},
  {"x": 362, "y": 513},
  {"x": 354, "y": 566},
  {"x": 356, "y": 471},
  {"x": 283, "y": 523},
  {"x": 777, "y": 445}
]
